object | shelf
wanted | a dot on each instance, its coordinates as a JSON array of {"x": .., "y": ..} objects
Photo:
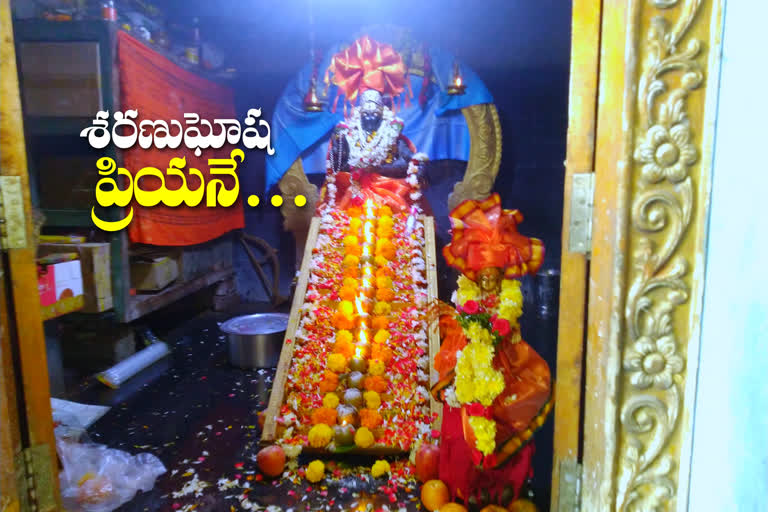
[{"x": 140, "y": 305}]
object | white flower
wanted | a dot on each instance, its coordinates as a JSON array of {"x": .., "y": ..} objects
[
  {"x": 653, "y": 362},
  {"x": 415, "y": 196}
]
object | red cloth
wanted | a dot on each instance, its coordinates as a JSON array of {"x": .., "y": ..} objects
[
  {"x": 460, "y": 474},
  {"x": 160, "y": 90}
]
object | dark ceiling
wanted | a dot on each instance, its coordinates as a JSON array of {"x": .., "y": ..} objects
[{"x": 274, "y": 36}]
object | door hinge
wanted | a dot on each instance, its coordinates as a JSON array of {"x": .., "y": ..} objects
[
  {"x": 569, "y": 486},
  {"x": 37, "y": 479},
  {"x": 582, "y": 206},
  {"x": 13, "y": 229}
]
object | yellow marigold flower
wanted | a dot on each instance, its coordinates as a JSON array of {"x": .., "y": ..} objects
[
  {"x": 315, "y": 471},
  {"x": 346, "y": 308},
  {"x": 385, "y": 211},
  {"x": 380, "y": 468},
  {"x": 372, "y": 400},
  {"x": 350, "y": 282},
  {"x": 350, "y": 240},
  {"x": 364, "y": 438},
  {"x": 355, "y": 223},
  {"x": 383, "y": 282},
  {"x": 477, "y": 333},
  {"x": 485, "y": 433},
  {"x": 320, "y": 435},
  {"x": 382, "y": 308},
  {"x": 376, "y": 367},
  {"x": 337, "y": 362},
  {"x": 344, "y": 336},
  {"x": 331, "y": 400},
  {"x": 381, "y": 261},
  {"x": 381, "y": 336},
  {"x": 386, "y": 220},
  {"x": 350, "y": 260}
]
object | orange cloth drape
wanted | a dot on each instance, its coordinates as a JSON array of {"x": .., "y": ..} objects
[
  {"x": 161, "y": 90},
  {"x": 485, "y": 235}
]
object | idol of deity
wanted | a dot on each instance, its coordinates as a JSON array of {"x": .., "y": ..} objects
[
  {"x": 369, "y": 158},
  {"x": 496, "y": 388}
]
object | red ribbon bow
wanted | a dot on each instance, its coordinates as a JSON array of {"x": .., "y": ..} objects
[{"x": 368, "y": 64}]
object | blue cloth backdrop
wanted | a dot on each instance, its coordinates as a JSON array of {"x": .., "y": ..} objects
[{"x": 437, "y": 129}]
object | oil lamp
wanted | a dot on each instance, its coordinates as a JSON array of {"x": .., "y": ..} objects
[
  {"x": 457, "y": 86},
  {"x": 311, "y": 102}
]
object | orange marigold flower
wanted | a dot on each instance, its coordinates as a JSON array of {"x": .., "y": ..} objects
[
  {"x": 344, "y": 347},
  {"x": 354, "y": 211},
  {"x": 375, "y": 383},
  {"x": 370, "y": 419},
  {"x": 353, "y": 272},
  {"x": 383, "y": 282},
  {"x": 385, "y": 295},
  {"x": 340, "y": 321},
  {"x": 354, "y": 250},
  {"x": 383, "y": 271},
  {"x": 324, "y": 415},
  {"x": 380, "y": 322},
  {"x": 330, "y": 382},
  {"x": 381, "y": 352},
  {"x": 385, "y": 211},
  {"x": 347, "y": 293}
]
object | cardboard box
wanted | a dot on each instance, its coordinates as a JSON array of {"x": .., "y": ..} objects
[
  {"x": 61, "y": 288},
  {"x": 153, "y": 275},
  {"x": 97, "y": 276}
]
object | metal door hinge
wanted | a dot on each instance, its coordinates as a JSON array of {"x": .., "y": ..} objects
[
  {"x": 582, "y": 206},
  {"x": 13, "y": 229},
  {"x": 37, "y": 478},
  {"x": 569, "y": 486}
]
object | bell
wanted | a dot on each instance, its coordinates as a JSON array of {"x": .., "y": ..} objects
[
  {"x": 311, "y": 102},
  {"x": 457, "y": 86}
]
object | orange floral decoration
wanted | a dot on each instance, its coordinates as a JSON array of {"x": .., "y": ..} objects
[
  {"x": 367, "y": 64},
  {"x": 330, "y": 382},
  {"x": 325, "y": 416},
  {"x": 375, "y": 383},
  {"x": 485, "y": 235},
  {"x": 370, "y": 418}
]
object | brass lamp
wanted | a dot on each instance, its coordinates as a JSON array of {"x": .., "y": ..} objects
[
  {"x": 311, "y": 102},
  {"x": 457, "y": 86}
]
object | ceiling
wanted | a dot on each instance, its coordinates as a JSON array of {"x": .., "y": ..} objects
[{"x": 273, "y": 36}]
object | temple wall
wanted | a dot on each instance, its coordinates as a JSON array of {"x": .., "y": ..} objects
[{"x": 730, "y": 463}]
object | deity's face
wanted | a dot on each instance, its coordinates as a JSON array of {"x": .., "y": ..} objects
[
  {"x": 371, "y": 110},
  {"x": 489, "y": 280}
]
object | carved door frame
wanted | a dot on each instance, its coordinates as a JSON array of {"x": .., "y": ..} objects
[
  {"x": 482, "y": 169},
  {"x": 658, "y": 84}
]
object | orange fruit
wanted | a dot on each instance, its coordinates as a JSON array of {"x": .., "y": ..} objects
[
  {"x": 434, "y": 494},
  {"x": 522, "y": 506},
  {"x": 453, "y": 507},
  {"x": 493, "y": 508}
]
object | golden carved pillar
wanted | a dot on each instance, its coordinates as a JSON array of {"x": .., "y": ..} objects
[
  {"x": 297, "y": 219},
  {"x": 658, "y": 88},
  {"x": 484, "y": 154}
]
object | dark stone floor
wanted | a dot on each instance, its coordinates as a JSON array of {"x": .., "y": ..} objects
[{"x": 196, "y": 412}]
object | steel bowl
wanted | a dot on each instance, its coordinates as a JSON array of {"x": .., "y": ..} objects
[{"x": 255, "y": 341}]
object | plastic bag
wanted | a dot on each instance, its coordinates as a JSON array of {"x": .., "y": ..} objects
[{"x": 100, "y": 479}]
